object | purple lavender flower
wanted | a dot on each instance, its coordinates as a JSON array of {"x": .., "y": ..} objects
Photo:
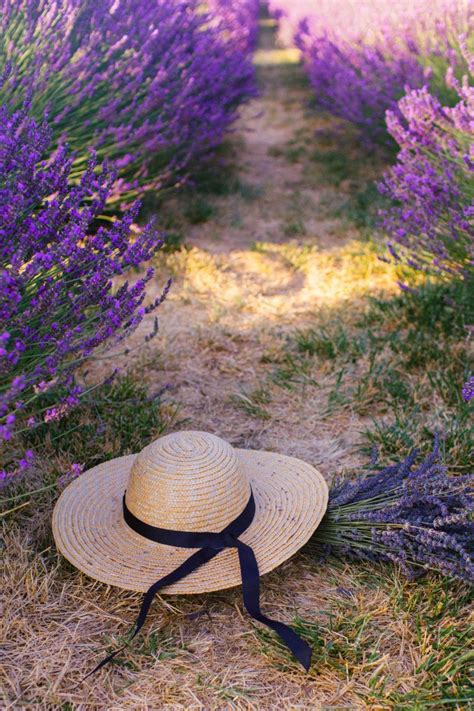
[
  {"x": 151, "y": 85},
  {"x": 59, "y": 296},
  {"x": 357, "y": 82},
  {"x": 418, "y": 517},
  {"x": 75, "y": 470}
]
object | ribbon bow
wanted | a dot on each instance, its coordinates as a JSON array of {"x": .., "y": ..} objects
[{"x": 210, "y": 545}]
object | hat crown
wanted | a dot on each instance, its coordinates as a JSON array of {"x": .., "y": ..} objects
[{"x": 187, "y": 481}]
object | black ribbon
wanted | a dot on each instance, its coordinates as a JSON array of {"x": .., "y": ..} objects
[{"x": 210, "y": 545}]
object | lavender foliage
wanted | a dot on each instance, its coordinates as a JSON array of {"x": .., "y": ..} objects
[
  {"x": 417, "y": 516},
  {"x": 59, "y": 295},
  {"x": 431, "y": 223},
  {"x": 151, "y": 85}
]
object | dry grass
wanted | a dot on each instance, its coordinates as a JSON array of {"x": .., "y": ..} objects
[
  {"x": 271, "y": 259},
  {"x": 203, "y": 653}
]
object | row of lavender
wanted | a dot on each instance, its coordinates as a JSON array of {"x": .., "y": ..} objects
[
  {"x": 361, "y": 57},
  {"x": 153, "y": 86},
  {"x": 99, "y": 102},
  {"x": 402, "y": 75}
]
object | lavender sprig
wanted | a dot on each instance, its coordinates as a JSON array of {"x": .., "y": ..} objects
[
  {"x": 417, "y": 516},
  {"x": 238, "y": 19},
  {"x": 468, "y": 389}
]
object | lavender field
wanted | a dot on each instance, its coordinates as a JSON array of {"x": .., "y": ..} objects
[{"x": 255, "y": 220}]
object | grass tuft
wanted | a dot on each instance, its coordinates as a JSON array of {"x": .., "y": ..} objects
[{"x": 198, "y": 210}]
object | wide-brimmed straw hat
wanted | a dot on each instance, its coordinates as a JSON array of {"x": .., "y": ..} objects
[
  {"x": 178, "y": 488},
  {"x": 186, "y": 481}
]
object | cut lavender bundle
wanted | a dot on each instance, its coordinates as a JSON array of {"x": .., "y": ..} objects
[{"x": 418, "y": 517}]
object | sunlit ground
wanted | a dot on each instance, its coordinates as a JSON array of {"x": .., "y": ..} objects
[
  {"x": 274, "y": 57},
  {"x": 277, "y": 283}
]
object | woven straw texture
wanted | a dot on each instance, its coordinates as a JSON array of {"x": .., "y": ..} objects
[{"x": 189, "y": 481}]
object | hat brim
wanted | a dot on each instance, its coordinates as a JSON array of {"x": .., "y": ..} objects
[{"x": 290, "y": 496}]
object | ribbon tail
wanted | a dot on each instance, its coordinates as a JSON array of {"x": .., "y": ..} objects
[
  {"x": 104, "y": 661},
  {"x": 188, "y": 566},
  {"x": 251, "y": 595}
]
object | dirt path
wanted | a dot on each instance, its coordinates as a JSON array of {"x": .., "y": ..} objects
[{"x": 270, "y": 260}]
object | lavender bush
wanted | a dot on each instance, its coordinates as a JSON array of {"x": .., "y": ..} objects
[
  {"x": 418, "y": 517},
  {"x": 58, "y": 302},
  {"x": 151, "y": 85},
  {"x": 431, "y": 225},
  {"x": 359, "y": 74}
]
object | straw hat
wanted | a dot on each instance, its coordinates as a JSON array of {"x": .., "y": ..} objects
[{"x": 186, "y": 481}]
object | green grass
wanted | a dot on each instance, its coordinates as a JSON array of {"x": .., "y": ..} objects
[
  {"x": 118, "y": 418},
  {"x": 336, "y": 165},
  {"x": 248, "y": 191},
  {"x": 356, "y": 635},
  {"x": 400, "y": 362},
  {"x": 360, "y": 202},
  {"x": 293, "y": 152},
  {"x": 291, "y": 372},
  {"x": 174, "y": 240},
  {"x": 437, "y": 611},
  {"x": 198, "y": 210},
  {"x": 219, "y": 176},
  {"x": 335, "y": 159},
  {"x": 362, "y": 206},
  {"x": 294, "y": 228},
  {"x": 159, "y": 645},
  {"x": 253, "y": 402},
  {"x": 198, "y": 201}
]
